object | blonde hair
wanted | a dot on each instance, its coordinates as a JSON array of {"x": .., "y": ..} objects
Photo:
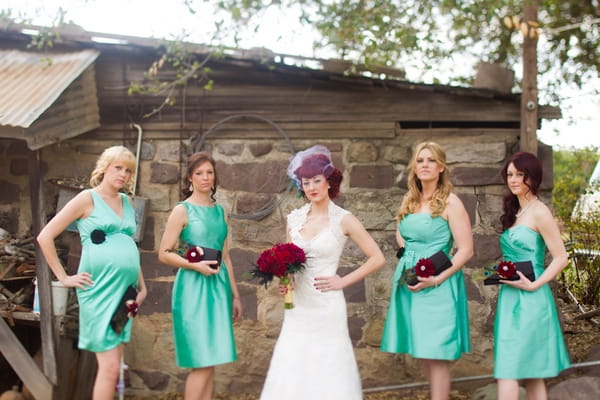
[
  {"x": 108, "y": 156},
  {"x": 412, "y": 199}
]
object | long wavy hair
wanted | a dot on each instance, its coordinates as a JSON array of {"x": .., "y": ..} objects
[
  {"x": 108, "y": 156},
  {"x": 531, "y": 167},
  {"x": 193, "y": 162},
  {"x": 412, "y": 199}
]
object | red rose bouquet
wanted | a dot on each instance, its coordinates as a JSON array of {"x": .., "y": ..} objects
[{"x": 282, "y": 261}]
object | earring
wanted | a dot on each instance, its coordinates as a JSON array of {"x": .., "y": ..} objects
[{"x": 191, "y": 189}]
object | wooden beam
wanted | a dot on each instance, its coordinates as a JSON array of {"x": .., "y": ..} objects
[
  {"x": 22, "y": 363},
  {"x": 529, "y": 96},
  {"x": 38, "y": 218}
]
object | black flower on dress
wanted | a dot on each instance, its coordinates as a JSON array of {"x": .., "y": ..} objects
[{"x": 98, "y": 236}]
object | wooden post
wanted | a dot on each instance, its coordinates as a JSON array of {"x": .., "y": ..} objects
[
  {"x": 23, "y": 364},
  {"x": 38, "y": 217},
  {"x": 529, "y": 96}
]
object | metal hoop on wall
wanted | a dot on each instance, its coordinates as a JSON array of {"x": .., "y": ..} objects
[{"x": 198, "y": 141}]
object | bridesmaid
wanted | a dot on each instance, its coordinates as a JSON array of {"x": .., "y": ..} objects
[
  {"x": 110, "y": 261},
  {"x": 205, "y": 297},
  {"x": 528, "y": 342},
  {"x": 429, "y": 320}
]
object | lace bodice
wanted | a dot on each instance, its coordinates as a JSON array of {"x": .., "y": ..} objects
[{"x": 323, "y": 251}]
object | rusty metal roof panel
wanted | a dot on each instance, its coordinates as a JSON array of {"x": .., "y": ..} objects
[{"x": 31, "y": 82}]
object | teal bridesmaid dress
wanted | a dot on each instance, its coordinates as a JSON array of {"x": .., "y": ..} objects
[
  {"x": 110, "y": 255},
  {"x": 202, "y": 305},
  {"x": 434, "y": 322},
  {"x": 528, "y": 341}
]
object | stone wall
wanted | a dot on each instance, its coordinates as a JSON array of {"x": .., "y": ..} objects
[{"x": 252, "y": 175}]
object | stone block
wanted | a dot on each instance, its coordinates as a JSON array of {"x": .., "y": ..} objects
[
  {"x": 470, "y": 202},
  {"x": 486, "y": 249},
  {"x": 374, "y": 331},
  {"x": 170, "y": 152},
  {"x": 260, "y": 149},
  {"x": 396, "y": 154},
  {"x": 230, "y": 149},
  {"x": 248, "y": 203},
  {"x": 243, "y": 261},
  {"x": 154, "y": 380},
  {"x": 164, "y": 173},
  {"x": 362, "y": 152},
  {"x": 581, "y": 388},
  {"x": 249, "y": 300},
  {"x": 355, "y": 329},
  {"x": 475, "y": 176},
  {"x": 256, "y": 177},
  {"x": 148, "y": 242},
  {"x": 152, "y": 268},
  {"x": 9, "y": 193},
  {"x": 353, "y": 293},
  {"x": 372, "y": 176},
  {"x": 159, "y": 297}
]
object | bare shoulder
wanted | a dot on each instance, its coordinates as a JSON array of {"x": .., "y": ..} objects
[
  {"x": 350, "y": 224},
  {"x": 541, "y": 211}
]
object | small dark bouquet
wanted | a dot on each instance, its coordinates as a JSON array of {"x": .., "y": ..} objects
[
  {"x": 433, "y": 265},
  {"x": 282, "y": 261},
  {"x": 191, "y": 253},
  {"x": 505, "y": 270},
  {"x": 127, "y": 308}
]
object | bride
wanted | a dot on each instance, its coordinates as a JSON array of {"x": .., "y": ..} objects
[{"x": 313, "y": 357}]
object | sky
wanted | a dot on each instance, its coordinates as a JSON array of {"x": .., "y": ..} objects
[{"x": 579, "y": 127}]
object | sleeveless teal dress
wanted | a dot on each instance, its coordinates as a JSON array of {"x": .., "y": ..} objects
[
  {"x": 202, "y": 305},
  {"x": 528, "y": 341},
  {"x": 110, "y": 255},
  {"x": 432, "y": 323}
]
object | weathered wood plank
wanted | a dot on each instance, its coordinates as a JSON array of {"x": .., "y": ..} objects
[
  {"x": 38, "y": 217},
  {"x": 23, "y": 365}
]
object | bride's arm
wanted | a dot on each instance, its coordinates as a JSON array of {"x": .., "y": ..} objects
[{"x": 352, "y": 227}]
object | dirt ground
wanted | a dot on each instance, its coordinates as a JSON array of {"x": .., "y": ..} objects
[{"x": 580, "y": 335}]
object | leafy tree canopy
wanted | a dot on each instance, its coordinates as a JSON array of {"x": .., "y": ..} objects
[{"x": 388, "y": 33}]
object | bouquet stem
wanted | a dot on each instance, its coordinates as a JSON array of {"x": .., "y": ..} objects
[{"x": 288, "y": 302}]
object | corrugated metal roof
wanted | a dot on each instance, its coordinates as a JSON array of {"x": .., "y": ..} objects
[{"x": 31, "y": 82}]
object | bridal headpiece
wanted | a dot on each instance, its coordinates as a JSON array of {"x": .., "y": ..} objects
[{"x": 310, "y": 162}]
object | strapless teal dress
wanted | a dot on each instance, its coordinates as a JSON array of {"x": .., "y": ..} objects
[
  {"x": 110, "y": 255},
  {"x": 434, "y": 322},
  {"x": 202, "y": 305},
  {"x": 528, "y": 341}
]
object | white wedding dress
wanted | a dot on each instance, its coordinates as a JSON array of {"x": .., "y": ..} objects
[{"x": 313, "y": 358}]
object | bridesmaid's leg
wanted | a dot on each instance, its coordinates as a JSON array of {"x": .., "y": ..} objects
[
  {"x": 109, "y": 363},
  {"x": 438, "y": 375},
  {"x": 508, "y": 389},
  {"x": 199, "y": 384},
  {"x": 536, "y": 389}
]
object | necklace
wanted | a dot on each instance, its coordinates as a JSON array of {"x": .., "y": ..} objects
[{"x": 523, "y": 209}]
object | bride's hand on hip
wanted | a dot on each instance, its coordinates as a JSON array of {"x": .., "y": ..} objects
[{"x": 328, "y": 283}]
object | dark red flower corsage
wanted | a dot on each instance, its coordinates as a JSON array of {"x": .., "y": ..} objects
[
  {"x": 132, "y": 308},
  {"x": 193, "y": 255},
  {"x": 506, "y": 269},
  {"x": 424, "y": 268}
]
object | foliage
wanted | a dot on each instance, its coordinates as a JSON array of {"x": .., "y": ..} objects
[
  {"x": 187, "y": 66},
  {"x": 584, "y": 251},
  {"x": 383, "y": 32},
  {"x": 572, "y": 170}
]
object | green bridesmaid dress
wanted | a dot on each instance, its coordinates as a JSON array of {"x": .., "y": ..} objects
[
  {"x": 434, "y": 322},
  {"x": 110, "y": 255},
  {"x": 528, "y": 341},
  {"x": 202, "y": 305}
]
